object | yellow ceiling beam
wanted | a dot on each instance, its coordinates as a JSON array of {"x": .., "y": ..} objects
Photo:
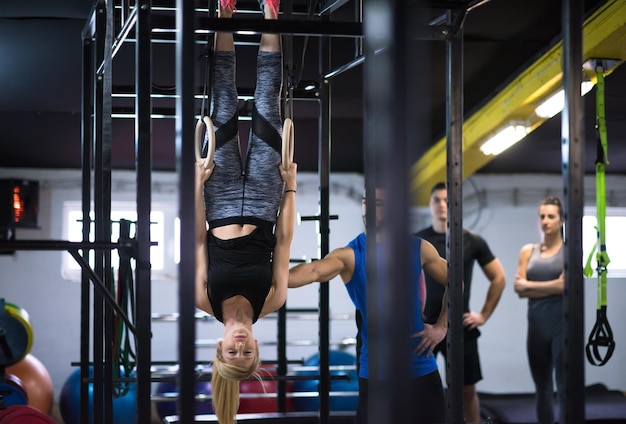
[{"x": 604, "y": 36}]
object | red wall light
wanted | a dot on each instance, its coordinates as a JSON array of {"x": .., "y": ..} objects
[{"x": 19, "y": 203}]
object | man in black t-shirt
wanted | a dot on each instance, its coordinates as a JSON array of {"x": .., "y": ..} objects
[{"x": 475, "y": 249}]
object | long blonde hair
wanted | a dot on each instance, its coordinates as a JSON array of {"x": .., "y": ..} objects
[{"x": 225, "y": 386}]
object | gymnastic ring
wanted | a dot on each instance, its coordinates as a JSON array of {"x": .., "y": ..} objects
[
  {"x": 201, "y": 125},
  {"x": 287, "y": 145}
]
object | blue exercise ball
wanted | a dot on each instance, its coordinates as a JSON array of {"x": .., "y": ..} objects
[
  {"x": 166, "y": 408},
  {"x": 124, "y": 407},
  {"x": 349, "y": 384}
]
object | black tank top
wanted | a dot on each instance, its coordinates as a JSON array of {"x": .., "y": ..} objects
[{"x": 241, "y": 266}]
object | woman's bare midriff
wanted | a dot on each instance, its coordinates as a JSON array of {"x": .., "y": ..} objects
[{"x": 232, "y": 231}]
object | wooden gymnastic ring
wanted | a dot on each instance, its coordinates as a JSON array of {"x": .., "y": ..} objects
[
  {"x": 203, "y": 124},
  {"x": 287, "y": 145}
]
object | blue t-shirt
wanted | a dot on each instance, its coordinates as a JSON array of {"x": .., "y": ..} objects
[{"x": 357, "y": 286}]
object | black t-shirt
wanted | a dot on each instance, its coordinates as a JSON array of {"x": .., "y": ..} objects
[
  {"x": 241, "y": 266},
  {"x": 475, "y": 248}
]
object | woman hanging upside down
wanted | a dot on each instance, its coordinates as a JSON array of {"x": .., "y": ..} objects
[{"x": 242, "y": 260}]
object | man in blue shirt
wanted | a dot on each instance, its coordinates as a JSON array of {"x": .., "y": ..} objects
[{"x": 350, "y": 264}]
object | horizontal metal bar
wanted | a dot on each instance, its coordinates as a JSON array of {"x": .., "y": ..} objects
[
  {"x": 163, "y": 24},
  {"x": 61, "y": 245},
  {"x": 206, "y": 397},
  {"x": 244, "y": 93},
  {"x": 201, "y": 343},
  {"x": 315, "y": 217},
  {"x": 174, "y": 317},
  {"x": 243, "y": 8},
  {"x": 296, "y": 314}
]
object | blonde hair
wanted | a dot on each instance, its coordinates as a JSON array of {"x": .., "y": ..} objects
[{"x": 225, "y": 386}]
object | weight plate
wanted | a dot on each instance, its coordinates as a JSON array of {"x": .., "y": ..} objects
[
  {"x": 21, "y": 315},
  {"x": 12, "y": 391},
  {"x": 24, "y": 414},
  {"x": 14, "y": 340}
]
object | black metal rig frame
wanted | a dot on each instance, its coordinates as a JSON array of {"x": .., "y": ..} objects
[{"x": 100, "y": 43}]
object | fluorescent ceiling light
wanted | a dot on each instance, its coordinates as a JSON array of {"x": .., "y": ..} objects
[
  {"x": 555, "y": 103},
  {"x": 504, "y": 139}
]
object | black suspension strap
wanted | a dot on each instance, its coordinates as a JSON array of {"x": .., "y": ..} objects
[
  {"x": 600, "y": 345},
  {"x": 291, "y": 83},
  {"x": 205, "y": 132}
]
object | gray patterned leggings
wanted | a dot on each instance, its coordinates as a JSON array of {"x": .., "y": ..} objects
[{"x": 250, "y": 191}]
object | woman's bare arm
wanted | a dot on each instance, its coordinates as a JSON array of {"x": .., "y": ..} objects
[
  {"x": 284, "y": 235},
  {"x": 202, "y": 255}
]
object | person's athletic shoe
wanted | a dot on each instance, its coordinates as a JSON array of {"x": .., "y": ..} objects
[
  {"x": 228, "y": 5},
  {"x": 273, "y": 4}
]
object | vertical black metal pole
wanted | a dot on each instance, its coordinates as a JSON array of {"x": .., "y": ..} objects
[
  {"x": 103, "y": 224},
  {"x": 97, "y": 298},
  {"x": 86, "y": 164},
  {"x": 454, "y": 245},
  {"x": 185, "y": 166},
  {"x": 124, "y": 10},
  {"x": 288, "y": 65},
  {"x": 372, "y": 71},
  {"x": 102, "y": 387},
  {"x": 324, "y": 178},
  {"x": 143, "y": 158},
  {"x": 358, "y": 17},
  {"x": 400, "y": 125},
  {"x": 288, "y": 81},
  {"x": 281, "y": 367},
  {"x": 377, "y": 127},
  {"x": 572, "y": 410}
]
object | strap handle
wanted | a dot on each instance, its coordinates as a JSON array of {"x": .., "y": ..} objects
[{"x": 600, "y": 345}]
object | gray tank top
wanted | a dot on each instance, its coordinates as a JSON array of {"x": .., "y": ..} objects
[{"x": 545, "y": 269}]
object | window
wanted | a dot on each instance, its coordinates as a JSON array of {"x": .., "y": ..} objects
[
  {"x": 73, "y": 228},
  {"x": 615, "y": 235}
]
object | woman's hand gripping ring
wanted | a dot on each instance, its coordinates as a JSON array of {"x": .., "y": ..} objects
[{"x": 203, "y": 124}]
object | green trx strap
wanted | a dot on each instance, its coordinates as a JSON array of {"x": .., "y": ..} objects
[
  {"x": 123, "y": 353},
  {"x": 600, "y": 345}
]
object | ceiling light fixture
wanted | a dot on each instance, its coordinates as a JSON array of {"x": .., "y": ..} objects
[
  {"x": 555, "y": 103},
  {"x": 504, "y": 138}
]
